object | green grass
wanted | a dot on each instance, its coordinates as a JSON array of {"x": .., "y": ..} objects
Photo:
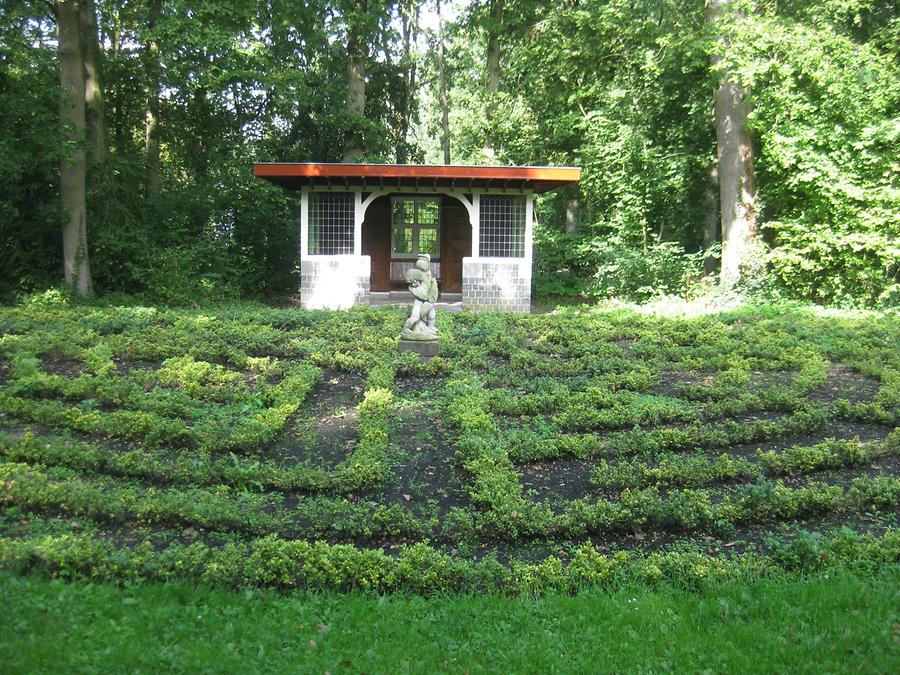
[{"x": 821, "y": 624}]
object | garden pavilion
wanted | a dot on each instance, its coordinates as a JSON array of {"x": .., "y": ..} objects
[{"x": 363, "y": 225}]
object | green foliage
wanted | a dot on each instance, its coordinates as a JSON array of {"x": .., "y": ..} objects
[
  {"x": 183, "y": 275},
  {"x": 30, "y": 250},
  {"x": 624, "y": 90},
  {"x": 241, "y": 416},
  {"x": 601, "y": 267},
  {"x": 235, "y": 88},
  {"x": 278, "y": 563},
  {"x": 208, "y": 445},
  {"x": 824, "y": 113}
]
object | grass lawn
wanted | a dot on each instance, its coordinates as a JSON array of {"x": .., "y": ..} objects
[
  {"x": 825, "y": 624},
  {"x": 268, "y": 450}
]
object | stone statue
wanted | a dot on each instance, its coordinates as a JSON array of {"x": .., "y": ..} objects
[{"x": 420, "y": 326}]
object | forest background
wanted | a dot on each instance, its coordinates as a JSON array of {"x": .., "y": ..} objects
[{"x": 129, "y": 128}]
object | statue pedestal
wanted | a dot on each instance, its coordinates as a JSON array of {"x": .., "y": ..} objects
[{"x": 424, "y": 348}]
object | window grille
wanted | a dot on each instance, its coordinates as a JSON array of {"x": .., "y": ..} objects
[
  {"x": 403, "y": 240},
  {"x": 331, "y": 223},
  {"x": 428, "y": 212},
  {"x": 415, "y": 227},
  {"x": 502, "y": 224},
  {"x": 428, "y": 241}
]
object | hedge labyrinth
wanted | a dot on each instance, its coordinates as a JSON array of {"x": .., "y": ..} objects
[{"x": 267, "y": 447}]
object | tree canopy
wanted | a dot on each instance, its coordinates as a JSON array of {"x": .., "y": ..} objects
[{"x": 181, "y": 98}]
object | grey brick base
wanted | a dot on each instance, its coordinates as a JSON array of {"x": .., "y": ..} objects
[
  {"x": 497, "y": 284},
  {"x": 489, "y": 284}
]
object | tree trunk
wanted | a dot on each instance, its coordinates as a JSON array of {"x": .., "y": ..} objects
[
  {"x": 492, "y": 81},
  {"x": 409, "y": 24},
  {"x": 151, "y": 123},
  {"x": 442, "y": 77},
  {"x": 120, "y": 128},
  {"x": 72, "y": 167},
  {"x": 405, "y": 101},
  {"x": 95, "y": 104},
  {"x": 737, "y": 182},
  {"x": 711, "y": 218},
  {"x": 357, "y": 52},
  {"x": 573, "y": 214},
  {"x": 200, "y": 109}
]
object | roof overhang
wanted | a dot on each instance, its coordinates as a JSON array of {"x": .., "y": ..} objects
[{"x": 294, "y": 175}]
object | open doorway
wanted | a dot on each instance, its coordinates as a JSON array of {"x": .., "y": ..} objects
[{"x": 399, "y": 227}]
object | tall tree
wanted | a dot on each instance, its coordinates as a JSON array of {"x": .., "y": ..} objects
[
  {"x": 72, "y": 170},
  {"x": 409, "y": 25},
  {"x": 151, "y": 123},
  {"x": 442, "y": 77},
  {"x": 492, "y": 72},
  {"x": 113, "y": 35},
  {"x": 573, "y": 212},
  {"x": 95, "y": 104},
  {"x": 357, "y": 57},
  {"x": 736, "y": 177}
]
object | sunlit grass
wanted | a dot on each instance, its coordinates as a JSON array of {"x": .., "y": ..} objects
[{"x": 837, "y": 623}]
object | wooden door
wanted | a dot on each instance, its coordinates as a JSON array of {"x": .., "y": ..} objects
[
  {"x": 456, "y": 244},
  {"x": 376, "y": 243}
]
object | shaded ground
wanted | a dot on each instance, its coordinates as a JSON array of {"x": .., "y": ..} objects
[
  {"x": 64, "y": 367},
  {"x": 564, "y": 479},
  {"x": 125, "y": 366},
  {"x": 425, "y": 476},
  {"x": 671, "y": 382},
  {"x": 844, "y": 382},
  {"x": 323, "y": 431}
]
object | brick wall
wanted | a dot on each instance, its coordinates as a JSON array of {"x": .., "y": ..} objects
[{"x": 497, "y": 284}]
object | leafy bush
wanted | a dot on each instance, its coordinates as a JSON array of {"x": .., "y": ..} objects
[
  {"x": 602, "y": 267},
  {"x": 185, "y": 275}
]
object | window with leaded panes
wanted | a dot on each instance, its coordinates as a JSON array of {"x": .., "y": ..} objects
[
  {"x": 330, "y": 223},
  {"x": 415, "y": 227}
]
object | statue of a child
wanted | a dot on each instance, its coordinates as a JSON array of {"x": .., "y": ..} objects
[{"x": 421, "y": 322}]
